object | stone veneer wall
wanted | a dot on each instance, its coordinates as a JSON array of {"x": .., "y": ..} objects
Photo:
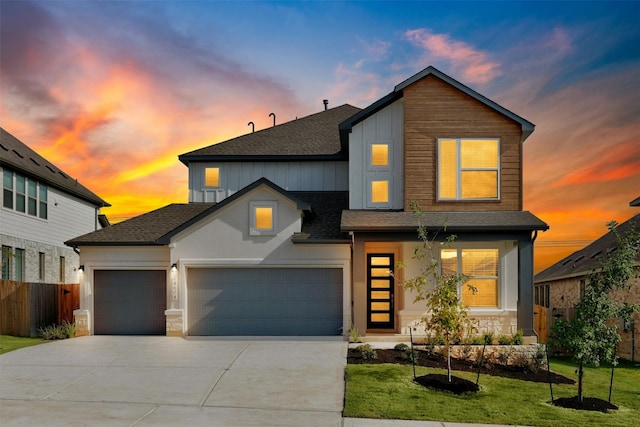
[{"x": 505, "y": 323}]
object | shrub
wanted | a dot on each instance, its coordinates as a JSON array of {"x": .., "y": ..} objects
[
  {"x": 354, "y": 335},
  {"x": 477, "y": 340},
  {"x": 367, "y": 352},
  {"x": 505, "y": 340},
  {"x": 487, "y": 338},
  {"x": 402, "y": 347},
  {"x": 58, "y": 332},
  {"x": 518, "y": 338}
]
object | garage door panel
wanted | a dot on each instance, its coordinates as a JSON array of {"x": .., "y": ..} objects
[
  {"x": 264, "y": 301},
  {"x": 129, "y": 302}
]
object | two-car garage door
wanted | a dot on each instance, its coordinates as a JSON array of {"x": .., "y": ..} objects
[{"x": 264, "y": 301}]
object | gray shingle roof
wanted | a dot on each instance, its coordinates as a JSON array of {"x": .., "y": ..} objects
[
  {"x": 313, "y": 137},
  {"x": 146, "y": 229},
  {"x": 585, "y": 260},
  {"x": 321, "y": 221},
  {"x": 16, "y": 155},
  {"x": 374, "y": 220},
  {"x": 323, "y": 224}
]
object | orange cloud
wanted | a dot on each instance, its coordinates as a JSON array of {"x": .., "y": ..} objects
[{"x": 474, "y": 65}]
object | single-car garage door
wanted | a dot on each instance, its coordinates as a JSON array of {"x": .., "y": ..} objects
[
  {"x": 129, "y": 302},
  {"x": 265, "y": 301}
]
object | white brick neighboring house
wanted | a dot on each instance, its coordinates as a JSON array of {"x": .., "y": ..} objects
[
  {"x": 560, "y": 286},
  {"x": 40, "y": 208}
]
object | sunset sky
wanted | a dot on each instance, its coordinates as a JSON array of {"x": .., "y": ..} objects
[{"x": 112, "y": 92}]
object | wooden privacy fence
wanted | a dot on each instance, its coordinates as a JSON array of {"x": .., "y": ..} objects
[
  {"x": 26, "y": 307},
  {"x": 541, "y": 323}
]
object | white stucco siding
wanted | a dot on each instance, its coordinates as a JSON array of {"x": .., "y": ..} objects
[
  {"x": 383, "y": 127},
  {"x": 224, "y": 240},
  {"x": 292, "y": 176}
]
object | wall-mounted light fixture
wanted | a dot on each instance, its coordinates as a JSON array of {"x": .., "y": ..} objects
[
  {"x": 81, "y": 268},
  {"x": 174, "y": 267}
]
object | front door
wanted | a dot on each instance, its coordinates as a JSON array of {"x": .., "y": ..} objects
[{"x": 380, "y": 284}]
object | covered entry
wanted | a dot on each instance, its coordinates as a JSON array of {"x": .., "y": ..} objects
[
  {"x": 130, "y": 302},
  {"x": 264, "y": 301}
]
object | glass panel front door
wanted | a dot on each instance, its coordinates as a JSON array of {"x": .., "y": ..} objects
[{"x": 380, "y": 284}]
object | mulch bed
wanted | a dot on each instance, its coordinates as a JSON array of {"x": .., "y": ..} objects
[
  {"x": 441, "y": 382},
  {"x": 431, "y": 360},
  {"x": 587, "y": 404}
]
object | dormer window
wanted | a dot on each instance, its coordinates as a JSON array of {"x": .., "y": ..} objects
[
  {"x": 468, "y": 169},
  {"x": 212, "y": 177},
  {"x": 263, "y": 216}
]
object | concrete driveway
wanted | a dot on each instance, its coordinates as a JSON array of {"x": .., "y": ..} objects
[{"x": 164, "y": 381}]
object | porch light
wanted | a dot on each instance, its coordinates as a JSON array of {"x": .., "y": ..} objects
[{"x": 81, "y": 268}]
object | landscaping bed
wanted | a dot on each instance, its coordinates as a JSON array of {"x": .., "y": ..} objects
[{"x": 436, "y": 360}]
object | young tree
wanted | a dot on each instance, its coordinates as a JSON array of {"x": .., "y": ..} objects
[
  {"x": 590, "y": 336},
  {"x": 448, "y": 316}
]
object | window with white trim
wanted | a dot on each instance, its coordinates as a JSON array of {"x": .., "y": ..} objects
[
  {"x": 24, "y": 195},
  {"x": 481, "y": 269},
  {"x": 18, "y": 272},
  {"x": 263, "y": 218},
  {"x": 468, "y": 169}
]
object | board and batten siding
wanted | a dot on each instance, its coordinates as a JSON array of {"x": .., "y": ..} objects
[
  {"x": 383, "y": 127},
  {"x": 433, "y": 109},
  {"x": 292, "y": 176}
]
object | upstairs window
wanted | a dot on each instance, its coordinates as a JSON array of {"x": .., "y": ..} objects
[
  {"x": 24, "y": 195},
  {"x": 480, "y": 267},
  {"x": 263, "y": 216},
  {"x": 468, "y": 169},
  {"x": 379, "y": 155},
  {"x": 7, "y": 189},
  {"x": 212, "y": 177},
  {"x": 380, "y": 191}
]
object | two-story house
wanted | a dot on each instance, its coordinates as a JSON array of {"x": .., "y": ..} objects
[
  {"x": 297, "y": 229},
  {"x": 40, "y": 208}
]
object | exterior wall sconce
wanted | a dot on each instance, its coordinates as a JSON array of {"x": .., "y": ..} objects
[
  {"x": 174, "y": 267},
  {"x": 81, "y": 268}
]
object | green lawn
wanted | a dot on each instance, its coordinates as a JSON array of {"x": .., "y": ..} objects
[
  {"x": 9, "y": 343},
  {"x": 388, "y": 391}
]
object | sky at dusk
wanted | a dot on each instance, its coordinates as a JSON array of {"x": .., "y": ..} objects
[{"x": 113, "y": 92}]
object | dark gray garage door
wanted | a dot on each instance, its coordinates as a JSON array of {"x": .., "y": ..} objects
[
  {"x": 265, "y": 301},
  {"x": 130, "y": 302}
]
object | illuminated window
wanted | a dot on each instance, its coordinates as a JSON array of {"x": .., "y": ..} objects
[
  {"x": 379, "y": 155},
  {"x": 263, "y": 218},
  {"x": 380, "y": 191},
  {"x": 468, "y": 169},
  {"x": 480, "y": 267},
  {"x": 212, "y": 177}
]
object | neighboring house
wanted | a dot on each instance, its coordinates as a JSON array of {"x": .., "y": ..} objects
[
  {"x": 41, "y": 208},
  {"x": 297, "y": 229},
  {"x": 560, "y": 286}
]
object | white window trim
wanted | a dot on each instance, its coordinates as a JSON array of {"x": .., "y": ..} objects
[
  {"x": 253, "y": 230},
  {"x": 459, "y": 169},
  {"x": 500, "y": 289}
]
